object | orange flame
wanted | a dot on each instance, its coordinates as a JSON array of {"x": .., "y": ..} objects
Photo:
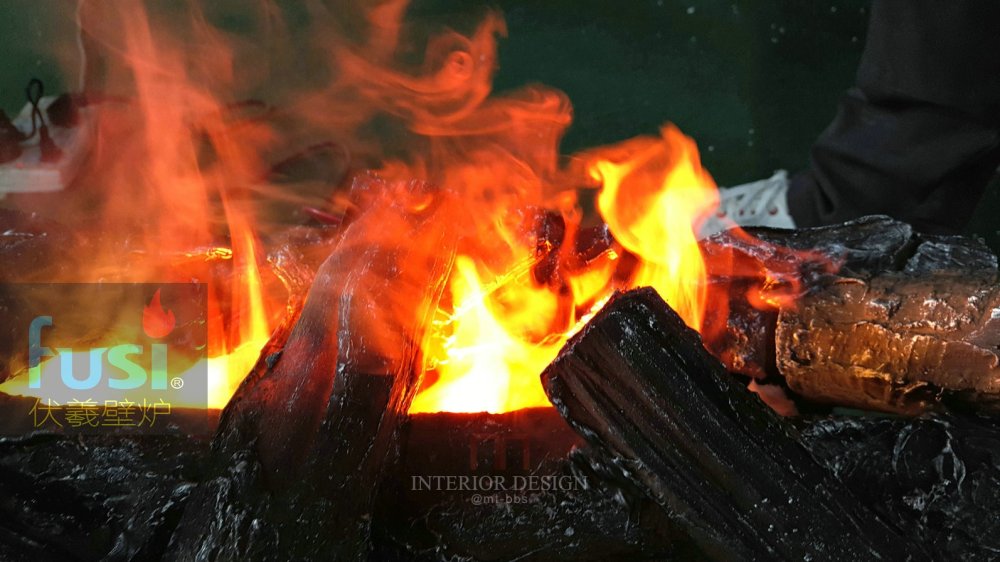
[
  {"x": 166, "y": 181},
  {"x": 487, "y": 353},
  {"x": 179, "y": 175}
]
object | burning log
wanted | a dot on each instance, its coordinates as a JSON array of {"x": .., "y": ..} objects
[
  {"x": 317, "y": 423},
  {"x": 906, "y": 322},
  {"x": 638, "y": 385}
]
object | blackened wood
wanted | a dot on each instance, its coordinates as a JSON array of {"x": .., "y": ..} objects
[
  {"x": 935, "y": 476},
  {"x": 94, "y": 497},
  {"x": 547, "y": 498},
  {"x": 638, "y": 384},
  {"x": 320, "y": 419}
]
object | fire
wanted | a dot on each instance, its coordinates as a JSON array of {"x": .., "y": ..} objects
[
  {"x": 176, "y": 193},
  {"x": 502, "y": 332},
  {"x": 652, "y": 203},
  {"x": 482, "y": 361},
  {"x": 164, "y": 194}
]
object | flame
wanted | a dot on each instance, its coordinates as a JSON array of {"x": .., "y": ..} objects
[
  {"x": 180, "y": 196},
  {"x": 653, "y": 202},
  {"x": 487, "y": 353},
  {"x": 482, "y": 356},
  {"x": 166, "y": 180},
  {"x": 228, "y": 364}
]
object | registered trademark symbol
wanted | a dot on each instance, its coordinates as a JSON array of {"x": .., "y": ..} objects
[{"x": 176, "y": 383}]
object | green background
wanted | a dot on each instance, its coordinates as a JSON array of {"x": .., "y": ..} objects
[{"x": 753, "y": 82}]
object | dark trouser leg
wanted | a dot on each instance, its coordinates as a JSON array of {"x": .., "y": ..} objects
[{"x": 919, "y": 138}]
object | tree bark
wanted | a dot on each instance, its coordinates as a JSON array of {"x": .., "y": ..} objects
[{"x": 883, "y": 318}]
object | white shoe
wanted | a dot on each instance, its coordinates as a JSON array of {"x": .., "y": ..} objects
[
  {"x": 761, "y": 203},
  {"x": 40, "y": 168}
]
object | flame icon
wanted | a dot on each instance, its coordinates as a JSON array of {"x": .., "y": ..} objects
[{"x": 156, "y": 321}]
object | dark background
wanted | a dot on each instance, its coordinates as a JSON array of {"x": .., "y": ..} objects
[{"x": 753, "y": 82}]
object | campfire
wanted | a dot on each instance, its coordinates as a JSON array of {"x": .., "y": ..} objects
[{"x": 431, "y": 335}]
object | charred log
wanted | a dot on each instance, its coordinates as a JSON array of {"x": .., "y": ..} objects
[
  {"x": 936, "y": 477},
  {"x": 501, "y": 487},
  {"x": 638, "y": 385},
  {"x": 315, "y": 427}
]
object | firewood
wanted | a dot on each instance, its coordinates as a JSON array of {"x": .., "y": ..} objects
[
  {"x": 935, "y": 476},
  {"x": 547, "y": 498},
  {"x": 319, "y": 419},
  {"x": 896, "y": 342},
  {"x": 638, "y": 384},
  {"x": 742, "y": 333},
  {"x": 885, "y": 318}
]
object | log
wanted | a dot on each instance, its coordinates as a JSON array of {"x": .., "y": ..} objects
[
  {"x": 305, "y": 442},
  {"x": 742, "y": 333},
  {"x": 884, "y": 319},
  {"x": 638, "y": 384},
  {"x": 896, "y": 343}
]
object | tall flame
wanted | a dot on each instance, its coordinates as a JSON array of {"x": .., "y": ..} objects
[
  {"x": 166, "y": 185},
  {"x": 179, "y": 192},
  {"x": 653, "y": 202}
]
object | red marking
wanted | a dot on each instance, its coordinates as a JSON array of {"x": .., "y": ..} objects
[{"x": 156, "y": 321}]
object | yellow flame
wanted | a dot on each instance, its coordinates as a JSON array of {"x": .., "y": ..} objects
[
  {"x": 481, "y": 361},
  {"x": 490, "y": 351},
  {"x": 662, "y": 235}
]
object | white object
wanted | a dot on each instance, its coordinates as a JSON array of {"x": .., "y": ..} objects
[
  {"x": 761, "y": 203},
  {"x": 27, "y": 173}
]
